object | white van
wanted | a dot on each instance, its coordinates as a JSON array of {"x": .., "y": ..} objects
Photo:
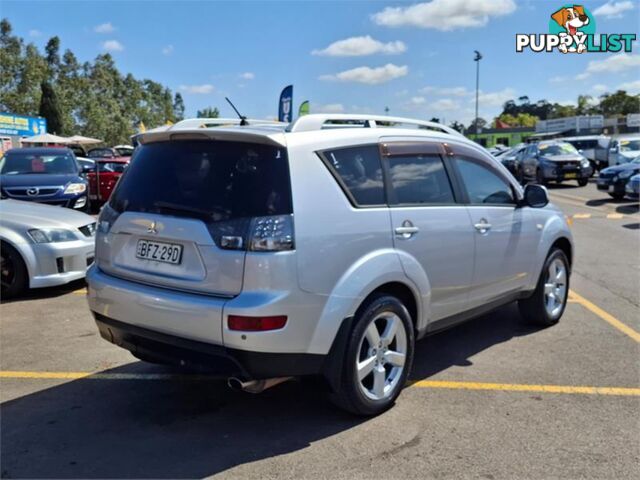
[
  {"x": 594, "y": 147},
  {"x": 623, "y": 149}
]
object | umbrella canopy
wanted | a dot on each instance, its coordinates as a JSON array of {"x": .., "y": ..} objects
[
  {"x": 46, "y": 138},
  {"x": 79, "y": 139}
]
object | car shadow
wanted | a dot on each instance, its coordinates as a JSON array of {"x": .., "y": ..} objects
[
  {"x": 44, "y": 293},
  {"x": 186, "y": 428},
  {"x": 630, "y": 209}
]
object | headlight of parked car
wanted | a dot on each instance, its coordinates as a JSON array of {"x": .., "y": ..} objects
[
  {"x": 585, "y": 163},
  {"x": 52, "y": 235},
  {"x": 74, "y": 188},
  {"x": 625, "y": 174}
]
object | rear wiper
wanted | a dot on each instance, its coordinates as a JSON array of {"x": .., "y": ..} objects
[{"x": 182, "y": 208}]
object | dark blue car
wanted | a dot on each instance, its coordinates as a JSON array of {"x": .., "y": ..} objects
[
  {"x": 614, "y": 179},
  {"x": 45, "y": 175}
]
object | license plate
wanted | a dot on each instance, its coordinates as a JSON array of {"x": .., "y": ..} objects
[
  {"x": 159, "y": 251},
  {"x": 571, "y": 175}
]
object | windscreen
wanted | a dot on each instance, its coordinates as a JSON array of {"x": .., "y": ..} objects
[
  {"x": 557, "y": 149},
  {"x": 101, "y": 153},
  {"x": 20, "y": 163},
  {"x": 212, "y": 180}
]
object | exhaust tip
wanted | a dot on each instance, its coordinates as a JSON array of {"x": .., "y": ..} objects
[{"x": 234, "y": 384}]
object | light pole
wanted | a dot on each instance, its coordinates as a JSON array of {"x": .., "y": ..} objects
[{"x": 477, "y": 59}]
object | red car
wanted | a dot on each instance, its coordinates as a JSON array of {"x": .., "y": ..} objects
[{"x": 108, "y": 172}]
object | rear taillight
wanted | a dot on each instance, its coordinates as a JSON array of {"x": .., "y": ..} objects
[
  {"x": 107, "y": 218},
  {"x": 260, "y": 234},
  {"x": 256, "y": 324}
]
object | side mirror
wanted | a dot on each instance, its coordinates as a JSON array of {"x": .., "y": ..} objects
[
  {"x": 535, "y": 196},
  {"x": 87, "y": 169}
]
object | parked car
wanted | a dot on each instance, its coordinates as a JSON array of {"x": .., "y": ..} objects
[
  {"x": 107, "y": 175},
  {"x": 632, "y": 189},
  {"x": 511, "y": 161},
  {"x": 43, "y": 246},
  {"x": 623, "y": 149},
  {"x": 214, "y": 250},
  {"x": 594, "y": 148},
  {"x": 124, "y": 150},
  {"x": 44, "y": 175},
  {"x": 103, "y": 152},
  {"x": 86, "y": 164},
  {"x": 614, "y": 179},
  {"x": 554, "y": 160}
]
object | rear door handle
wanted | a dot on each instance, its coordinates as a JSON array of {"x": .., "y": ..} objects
[
  {"x": 483, "y": 226},
  {"x": 407, "y": 230}
]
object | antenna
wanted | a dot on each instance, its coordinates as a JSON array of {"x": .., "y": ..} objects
[{"x": 243, "y": 119}]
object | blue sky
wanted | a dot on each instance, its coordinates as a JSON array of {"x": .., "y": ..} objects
[{"x": 414, "y": 57}]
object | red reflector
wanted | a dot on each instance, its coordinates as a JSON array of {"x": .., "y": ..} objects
[{"x": 256, "y": 324}]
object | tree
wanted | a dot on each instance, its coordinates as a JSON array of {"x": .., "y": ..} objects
[
  {"x": 208, "y": 112},
  {"x": 49, "y": 108},
  {"x": 619, "y": 103},
  {"x": 178, "y": 107},
  {"x": 457, "y": 126},
  {"x": 435, "y": 120},
  {"x": 480, "y": 122},
  {"x": 519, "y": 120}
]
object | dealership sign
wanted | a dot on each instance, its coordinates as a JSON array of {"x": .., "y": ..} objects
[{"x": 21, "y": 126}]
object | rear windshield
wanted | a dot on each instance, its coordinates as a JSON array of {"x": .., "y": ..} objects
[
  {"x": 215, "y": 180},
  {"x": 20, "y": 163},
  {"x": 101, "y": 153}
]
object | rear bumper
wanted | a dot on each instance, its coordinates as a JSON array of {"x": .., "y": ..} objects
[{"x": 213, "y": 359}]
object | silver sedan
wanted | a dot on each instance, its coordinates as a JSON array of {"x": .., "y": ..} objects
[{"x": 43, "y": 245}]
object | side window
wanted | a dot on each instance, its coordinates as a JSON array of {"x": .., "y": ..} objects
[
  {"x": 360, "y": 170},
  {"x": 483, "y": 185},
  {"x": 419, "y": 179}
]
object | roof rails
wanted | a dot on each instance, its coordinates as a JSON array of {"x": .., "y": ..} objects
[
  {"x": 309, "y": 123},
  {"x": 192, "y": 123}
]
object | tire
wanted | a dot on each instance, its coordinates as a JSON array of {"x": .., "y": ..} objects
[
  {"x": 540, "y": 310},
  {"x": 583, "y": 182},
  {"x": 365, "y": 395},
  {"x": 617, "y": 196},
  {"x": 540, "y": 180},
  {"x": 520, "y": 176},
  {"x": 13, "y": 272}
]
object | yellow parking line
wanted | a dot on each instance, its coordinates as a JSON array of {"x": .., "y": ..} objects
[
  {"x": 615, "y": 216},
  {"x": 607, "y": 317},
  {"x": 82, "y": 291},
  {"x": 507, "y": 387},
  {"x": 511, "y": 387},
  {"x": 582, "y": 215}
]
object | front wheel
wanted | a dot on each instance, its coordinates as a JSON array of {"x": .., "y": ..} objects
[
  {"x": 13, "y": 271},
  {"x": 547, "y": 304},
  {"x": 617, "y": 196},
  {"x": 582, "y": 182},
  {"x": 540, "y": 178},
  {"x": 378, "y": 358}
]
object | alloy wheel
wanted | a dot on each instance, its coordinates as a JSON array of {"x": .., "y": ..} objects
[{"x": 555, "y": 288}]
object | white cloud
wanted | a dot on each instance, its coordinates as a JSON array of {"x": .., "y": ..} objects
[
  {"x": 445, "y": 14},
  {"x": 368, "y": 75},
  {"x": 450, "y": 91},
  {"x": 328, "y": 108},
  {"x": 247, "y": 76},
  {"x": 104, "y": 28},
  {"x": 360, "y": 46},
  {"x": 35, "y": 33},
  {"x": 599, "y": 88},
  {"x": 417, "y": 100},
  {"x": 445, "y": 105},
  {"x": 112, "y": 46},
  {"x": 631, "y": 87},
  {"x": 495, "y": 99},
  {"x": 613, "y": 9},
  {"x": 614, "y": 64},
  {"x": 558, "y": 79},
  {"x": 197, "y": 89},
  {"x": 168, "y": 50}
]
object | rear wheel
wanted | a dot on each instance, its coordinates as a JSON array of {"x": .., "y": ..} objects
[
  {"x": 378, "y": 358},
  {"x": 13, "y": 272},
  {"x": 540, "y": 178},
  {"x": 547, "y": 304},
  {"x": 583, "y": 181},
  {"x": 617, "y": 196}
]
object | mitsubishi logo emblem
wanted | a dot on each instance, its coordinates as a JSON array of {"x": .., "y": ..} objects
[
  {"x": 152, "y": 228},
  {"x": 33, "y": 191}
]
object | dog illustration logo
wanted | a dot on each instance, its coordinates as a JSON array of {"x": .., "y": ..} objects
[{"x": 572, "y": 19}]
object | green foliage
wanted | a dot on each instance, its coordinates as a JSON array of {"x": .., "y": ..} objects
[
  {"x": 49, "y": 108},
  {"x": 92, "y": 99},
  {"x": 209, "y": 112},
  {"x": 457, "y": 126},
  {"x": 519, "y": 120}
]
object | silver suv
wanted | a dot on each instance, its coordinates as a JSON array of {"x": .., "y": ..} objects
[{"x": 325, "y": 247}]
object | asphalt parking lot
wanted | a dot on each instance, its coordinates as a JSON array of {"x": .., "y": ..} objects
[{"x": 490, "y": 399}]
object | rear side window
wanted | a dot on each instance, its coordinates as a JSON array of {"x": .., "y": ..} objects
[
  {"x": 360, "y": 173},
  {"x": 483, "y": 186},
  {"x": 216, "y": 181},
  {"x": 419, "y": 179}
]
